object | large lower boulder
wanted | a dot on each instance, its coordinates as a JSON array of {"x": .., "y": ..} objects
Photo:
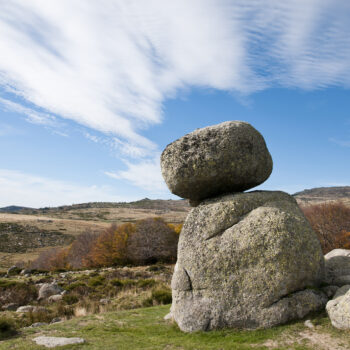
[
  {"x": 228, "y": 157},
  {"x": 337, "y": 267},
  {"x": 247, "y": 260},
  {"x": 338, "y": 308}
]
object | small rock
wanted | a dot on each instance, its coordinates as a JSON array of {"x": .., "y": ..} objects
[
  {"x": 48, "y": 289},
  {"x": 26, "y": 308},
  {"x": 26, "y": 272},
  {"x": 55, "y": 298},
  {"x": 337, "y": 267},
  {"x": 39, "y": 324},
  {"x": 338, "y": 308},
  {"x": 168, "y": 317},
  {"x": 105, "y": 301},
  {"x": 309, "y": 324},
  {"x": 10, "y": 307},
  {"x": 31, "y": 308},
  {"x": 56, "y": 320},
  {"x": 51, "y": 342},
  {"x": 330, "y": 290}
]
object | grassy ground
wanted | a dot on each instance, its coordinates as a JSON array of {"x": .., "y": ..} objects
[{"x": 145, "y": 329}]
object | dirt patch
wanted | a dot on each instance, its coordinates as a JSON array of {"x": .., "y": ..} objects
[{"x": 317, "y": 340}]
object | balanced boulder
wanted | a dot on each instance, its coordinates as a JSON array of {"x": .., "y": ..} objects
[
  {"x": 247, "y": 260},
  {"x": 228, "y": 157}
]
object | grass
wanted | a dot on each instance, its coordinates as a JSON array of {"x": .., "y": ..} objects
[{"x": 146, "y": 329}]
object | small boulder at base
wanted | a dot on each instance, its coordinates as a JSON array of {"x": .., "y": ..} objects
[
  {"x": 246, "y": 260},
  {"x": 228, "y": 157},
  {"x": 337, "y": 267},
  {"x": 55, "y": 298},
  {"x": 51, "y": 342},
  {"x": 48, "y": 289},
  {"x": 338, "y": 308}
]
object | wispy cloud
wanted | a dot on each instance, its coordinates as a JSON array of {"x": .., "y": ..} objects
[
  {"x": 18, "y": 188},
  {"x": 110, "y": 64},
  {"x": 342, "y": 143},
  {"x": 32, "y": 116},
  {"x": 145, "y": 174}
]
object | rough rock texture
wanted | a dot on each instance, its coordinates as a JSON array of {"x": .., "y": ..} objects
[
  {"x": 338, "y": 308},
  {"x": 48, "y": 289},
  {"x": 228, "y": 157},
  {"x": 51, "y": 342},
  {"x": 246, "y": 260},
  {"x": 337, "y": 267}
]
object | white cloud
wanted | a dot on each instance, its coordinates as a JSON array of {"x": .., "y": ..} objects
[
  {"x": 17, "y": 188},
  {"x": 32, "y": 116},
  {"x": 145, "y": 174},
  {"x": 341, "y": 143},
  {"x": 110, "y": 64}
]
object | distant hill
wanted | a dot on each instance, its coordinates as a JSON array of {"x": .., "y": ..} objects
[
  {"x": 323, "y": 194},
  {"x": 146, "y": 203},
  {"x": 13, "y": 209}
]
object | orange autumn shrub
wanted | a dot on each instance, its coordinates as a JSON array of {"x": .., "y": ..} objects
[{"x": 331, "y": 222}]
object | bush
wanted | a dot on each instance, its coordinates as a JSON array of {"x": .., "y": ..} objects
[
  {"x": 331, "y": 222},
  {"x": 53, "y": 259},
  {"x": 158, "y": 297},
  {"x": 7, "y": 328},
  {"x": 79, "y": 252},
  {"x": 152, "y": 241},
  {"x": 96, "y": 281},
  {"x": 110, "y": 247},
  {"x": 70, "y": 299},
  {"x": 162, "y": 296},
  {"x": 17, "y": 292}
]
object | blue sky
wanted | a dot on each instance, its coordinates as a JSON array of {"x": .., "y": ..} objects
[{"x": 92, "y": 92}]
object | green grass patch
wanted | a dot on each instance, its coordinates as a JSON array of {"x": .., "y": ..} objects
[{"x": 146, "y": 329}]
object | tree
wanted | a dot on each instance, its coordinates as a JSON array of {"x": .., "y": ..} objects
[
  {"x": 152, "y": 241},
  {"x": 110, "y": 246},
  {"x": 331, "y": 221}
]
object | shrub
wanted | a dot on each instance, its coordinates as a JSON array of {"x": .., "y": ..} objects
[
  {"x": 110, "y": 247},
  {"x": 70, "y": 299},
  {"x": 7, "y": 328},
  {"x": 176, "y": 227},
  {"x": 331, "y": 222},
  {"x": 96, "y": 281},
  {"x": 15, "y": 271},
  {"x": 17, "y": 292},
  {"x": 146, "y": 283},
  {"x": 152, "y": 241},
  {"x": 162, "y": 296},
  {"x": 158, "y": 296},
  {"x": 52, "y": 259},
  {"x": 79, "y": 252}
]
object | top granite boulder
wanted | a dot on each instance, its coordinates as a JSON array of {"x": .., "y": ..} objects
[{"x": 228, "y": 157}]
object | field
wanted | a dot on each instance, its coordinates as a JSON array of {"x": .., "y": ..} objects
[
  {"x": 73, "y": 220},
  {"x": 145, "y": 328},
  {"x": 125, "y": 323}
]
